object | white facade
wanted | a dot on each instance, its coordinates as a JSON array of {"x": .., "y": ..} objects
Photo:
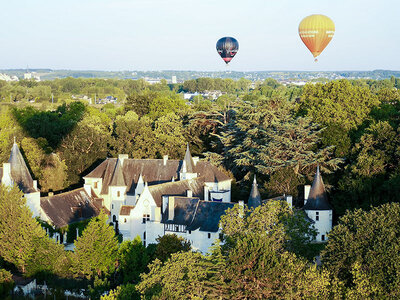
[{"x": 322, "y": 223}]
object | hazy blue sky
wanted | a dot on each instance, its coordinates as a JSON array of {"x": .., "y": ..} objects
[{"x": 181, "y": 34}]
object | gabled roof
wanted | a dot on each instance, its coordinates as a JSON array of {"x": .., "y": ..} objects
[
  {"x": 70, "y": 207},
  {"x": 317, "y": 198},
  {"x": 19, "y": 171},
  {"x": 177, "y": 188},
  {"x": 126, "y": 210},
  {"x": 255, "y": 197},
  {"x": 197, "y": 214},
  {"x": 153, "y": 171}
]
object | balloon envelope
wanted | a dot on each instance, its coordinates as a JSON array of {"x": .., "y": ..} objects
[
  {"x": 316, "y": 31},
  {"x": 227, "y": 48}
]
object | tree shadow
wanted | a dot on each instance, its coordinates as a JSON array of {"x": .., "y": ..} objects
[{"x": 49, "y": 126}]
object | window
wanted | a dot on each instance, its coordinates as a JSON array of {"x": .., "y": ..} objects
[
  {"x": 118, "y": 194},
  {"x": 95, "y": 185},
  {"x": 112, "y": 206},
  {"x": 209, "y": 235},
  {"x": 125, "y": 220},
  {"x": 144, "y": 235},
  {"x": 317, "y": 216},
  {"x": 190, "y": 232},
  {"x": 323, "y": 237},
  {"x": 221, "y": 237},
  {"x": 144, "y": 243},
  {"x": 177, "y": 228},
  {"x": 330, "y": 216},
  {"x": 146, "y": 217}
]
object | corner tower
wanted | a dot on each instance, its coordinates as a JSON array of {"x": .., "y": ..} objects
[{"x": 318, "y": 208}]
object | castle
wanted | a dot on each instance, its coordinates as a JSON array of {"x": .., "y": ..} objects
[{"x": 152, "y": 197}]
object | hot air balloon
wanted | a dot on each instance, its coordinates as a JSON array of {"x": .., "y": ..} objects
[
  {"x": 316, "y": 31},
  {"x": 227, "y": 48}
]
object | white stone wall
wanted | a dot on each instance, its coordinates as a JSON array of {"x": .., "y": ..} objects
[
  {"x": 33, "y": 202},
  {"x": 324, "y": 223},
  {"x": 117, "y": 195}
]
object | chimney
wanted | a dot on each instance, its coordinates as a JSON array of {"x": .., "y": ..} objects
[
  {"x": 289, "y": 200},
  {"x": 6, "y": 179},
  {"x": 157, "y": 217},
  {"x": 189, "y": 193},
  {"x": 122, "y": 157},
  {"x": 195, "y": 160},
  {"x": 171, "y": 208},
  {"x": 88, "y": 189},
  {"x": 165, "y": 159},
  {"x": 306, "y": 193},
  {"x": 35, "y": 185}
]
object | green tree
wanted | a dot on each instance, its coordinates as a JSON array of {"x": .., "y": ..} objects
[
  {"x": 169, "y": 244},
  {"x": 96, "y": 250},
  {"x": 337, "y": 102},
  {"x": 169, "y": 134},
  {"x": 87, "y": 143},
  {"x": 123, "y": 292},
  {"x": 6, "y": 282},
  {"x": 284, "y": 227},
  {"x": 186, "y": 275},
  {"x": 363, "y": 251},
  {"x": 22, "y": 241},
  {"x": 133, "y": 260},
  {"x": 268, "y": 137},
  {"x": 134, "y": 136}
]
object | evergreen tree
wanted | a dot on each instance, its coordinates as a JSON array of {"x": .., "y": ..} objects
[
  {"x": 22, "y": 241},
  {"x": 96, "y": 250}
]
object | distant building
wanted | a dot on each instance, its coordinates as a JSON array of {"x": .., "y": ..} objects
[
  {"x": 173, "y": 80},
  {"x": 6, "y": 77},
  {"x": 32, "y": 76}
]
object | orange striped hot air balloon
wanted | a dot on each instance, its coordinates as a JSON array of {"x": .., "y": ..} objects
[{"x": 316, "y": 31}]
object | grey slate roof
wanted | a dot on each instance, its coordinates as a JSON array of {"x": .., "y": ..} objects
[
  {"x": 73, "y": 206},
  {"x": 197, "y": 214},
  {"x": 317, "y": 198},
  {"x": 208, "y": 215},
  {"x": 184, "y": 210},
  {"x": 255, "y": 197},
  {"x": 153, "y": 171},
  {"x": 177, "y": 188},
  {"x": 117, "y": 177},
  {"x": 19, "y": 171},
  {"x": 189, "y": 161}
]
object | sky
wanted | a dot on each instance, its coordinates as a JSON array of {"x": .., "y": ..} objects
[{"x": 116, "y": 35}]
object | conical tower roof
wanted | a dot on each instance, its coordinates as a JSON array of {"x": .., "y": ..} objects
[
  {"x": 19, "y": 171},
  {"x": 255, "y": 197},
  {"x": 188, "y": 160},
  {"x": 117, "y": 178},
  {"x": 317, "y": 198}
]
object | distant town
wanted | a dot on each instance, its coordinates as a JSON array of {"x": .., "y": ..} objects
[{"x": 172, "y": 76}]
